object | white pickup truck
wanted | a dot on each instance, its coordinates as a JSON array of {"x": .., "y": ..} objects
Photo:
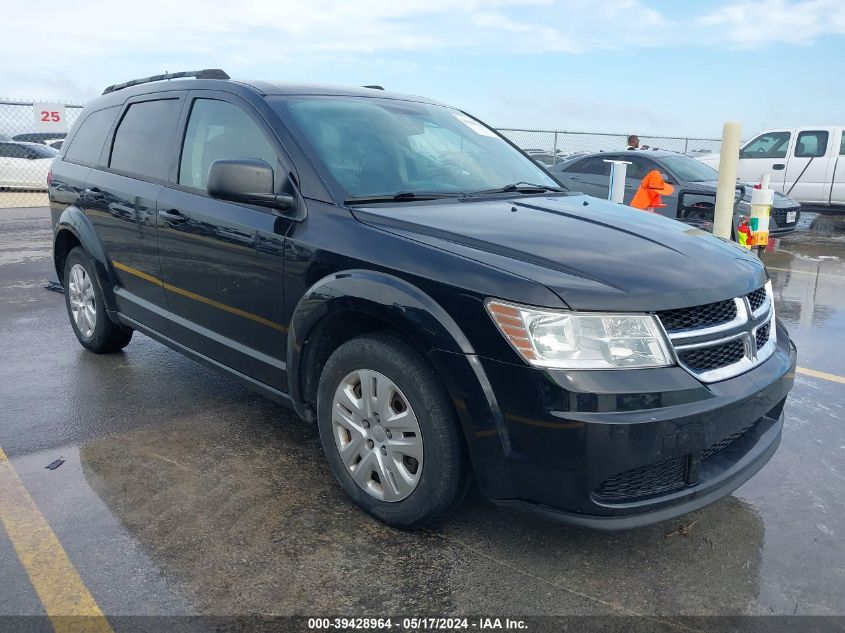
[{"x": 806, "y": 163}]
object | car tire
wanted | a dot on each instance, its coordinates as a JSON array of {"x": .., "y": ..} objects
[
  {"x": 84, "y": 302},
  {"x": 409, "y": 406}
]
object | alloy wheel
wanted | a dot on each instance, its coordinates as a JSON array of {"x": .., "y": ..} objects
[{"x": 83, "y": 305}]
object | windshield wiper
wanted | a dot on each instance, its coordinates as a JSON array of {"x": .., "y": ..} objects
[
  {"x": 521, "y": 187},
  {"x": 402, "y": 196}
]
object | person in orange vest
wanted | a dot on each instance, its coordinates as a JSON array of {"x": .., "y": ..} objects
[{"x": 651, "y": 188}]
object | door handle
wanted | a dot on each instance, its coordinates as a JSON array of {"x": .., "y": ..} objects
[
  {"x": 93, "y": 193},
  {"x": 172, "y": 216},
  {"x": 778, "y": 166}
]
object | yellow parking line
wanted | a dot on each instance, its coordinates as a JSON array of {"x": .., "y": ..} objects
[
  {"x": 820, "y": 374},
  {"x": 815, "y": 273},
  {"x": 53, "y": 576}
]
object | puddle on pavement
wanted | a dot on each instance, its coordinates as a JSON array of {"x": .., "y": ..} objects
[{"x": 244, "y": 515}]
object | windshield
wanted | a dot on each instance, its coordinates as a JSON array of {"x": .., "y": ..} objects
[
  {"x": 689, "y": 169},
  {"x": 385, "y": 146}
]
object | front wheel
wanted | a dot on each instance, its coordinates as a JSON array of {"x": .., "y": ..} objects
[
  {"x": 86, "y": 309},
  {"x": 390, "y": 433}
]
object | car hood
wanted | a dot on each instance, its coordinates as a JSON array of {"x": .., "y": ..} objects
[{"x": 594, "y": 254}]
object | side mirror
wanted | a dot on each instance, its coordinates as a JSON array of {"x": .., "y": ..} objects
[{"x": 246, "y": 180}]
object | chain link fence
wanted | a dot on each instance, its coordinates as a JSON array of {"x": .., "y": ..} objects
[
  {"x": 31, "y": 132},
  {"x": 553, "y": 146}
]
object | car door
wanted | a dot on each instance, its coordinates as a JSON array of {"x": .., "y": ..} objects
[
  {"x": 765, "y": 154},
  {"x": 807, "y": 170},
  {"x": 590, "y": 176},
  {"x": 638, "y": 169},
  {"x": 10, "y": 174},
  {"x": 222, "y": 262},
  {"x": 120, "y": 200},
  {"x": 837, "y": 187}
]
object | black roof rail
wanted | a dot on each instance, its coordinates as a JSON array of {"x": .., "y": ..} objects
[
  {"x": 374, "y": 87},
  {"x": 207, "y": 73}
]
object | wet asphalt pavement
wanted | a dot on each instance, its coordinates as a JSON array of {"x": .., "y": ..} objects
[{"x": 183, "y": 492}]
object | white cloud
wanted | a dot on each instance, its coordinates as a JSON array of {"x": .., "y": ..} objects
[
  {"x": 252, "y": 31},
  {"x": 449, "y": 46},
  {"x": 753, "y": 23}
]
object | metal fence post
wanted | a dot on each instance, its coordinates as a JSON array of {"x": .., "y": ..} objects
[
  {"x": 686, "y": 145},
  {"x": 554, "y": 153}
]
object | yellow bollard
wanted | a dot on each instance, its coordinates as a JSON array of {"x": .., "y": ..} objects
[{"x": 726, "y": 189}]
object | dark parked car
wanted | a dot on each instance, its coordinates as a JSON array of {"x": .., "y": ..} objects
[
  {"x": 396, "y": 271},
  {"x": 52, "y": 139},
  {"x": 691, "y": 178}
]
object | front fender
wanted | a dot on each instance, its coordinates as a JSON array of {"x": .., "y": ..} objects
[
  {"x": 434, "y": 332},
  {"x": 380, "y": 295},
  {"x": 74, "y": 221}
]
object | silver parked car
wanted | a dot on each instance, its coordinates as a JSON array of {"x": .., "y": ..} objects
[{"x": 694, "y": 183}]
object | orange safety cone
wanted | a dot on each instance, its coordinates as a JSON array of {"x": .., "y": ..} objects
[{"x": 651, "y": 188}]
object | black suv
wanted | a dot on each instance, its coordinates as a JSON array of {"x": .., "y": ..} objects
[{"x": 398, "y": 272}]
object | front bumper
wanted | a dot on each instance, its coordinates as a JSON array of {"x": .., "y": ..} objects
[{"x": 621, "y": 449}]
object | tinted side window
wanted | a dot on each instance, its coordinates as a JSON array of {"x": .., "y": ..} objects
[
  {"x": 218, "y": 130},
  {"x": 811, "y": 144},
  {"x": 639, "y": 167},
  {"x": 143, "y": 138},
  {"x": 41, "y": 151},
  {"x": 9, "y": 150},
  {"x": 594, "y": 166},
  {"x": 842, "y": 145},
  {"x": 29, "y": 152},
  {"x": 87, "y": 142},
  {"x": 770, "y": 145}
]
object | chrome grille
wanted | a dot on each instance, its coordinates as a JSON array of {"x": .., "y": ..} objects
[{"x": 714, "y": 342}]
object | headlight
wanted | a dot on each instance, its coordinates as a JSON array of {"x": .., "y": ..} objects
[{"x": 582, "y": 340}]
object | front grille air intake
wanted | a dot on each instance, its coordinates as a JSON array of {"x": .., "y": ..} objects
[
  {"x": 713, "y": 357},
  {"x": 757, "y": 299},
  {"x": 706, "y": 315},
  {"x": 645, "y": 481},
  {"x": 762, "y": 336}
]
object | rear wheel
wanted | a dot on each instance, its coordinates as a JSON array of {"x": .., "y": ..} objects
[
  {"x": 86, "y": 309},
  {"x": 390, "y": 433}
]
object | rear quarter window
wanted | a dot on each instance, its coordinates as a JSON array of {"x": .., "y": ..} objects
[
  {"x": 143, "y": 141},
  {"x": 87, "y": 142}
]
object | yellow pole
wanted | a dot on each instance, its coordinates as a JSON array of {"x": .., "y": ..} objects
[{"x": 726, "y": 189}]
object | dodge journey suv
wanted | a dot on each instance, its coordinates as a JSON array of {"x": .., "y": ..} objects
[{"x": 441, "y": 307}]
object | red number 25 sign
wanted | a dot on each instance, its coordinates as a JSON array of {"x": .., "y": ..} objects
[{"x": 49, "y": 117}]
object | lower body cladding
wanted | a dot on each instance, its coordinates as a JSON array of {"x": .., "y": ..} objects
[{"x": 618, "y": 449}]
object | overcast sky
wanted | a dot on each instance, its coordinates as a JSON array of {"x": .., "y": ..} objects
[{"x": 647, "y": 66}]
